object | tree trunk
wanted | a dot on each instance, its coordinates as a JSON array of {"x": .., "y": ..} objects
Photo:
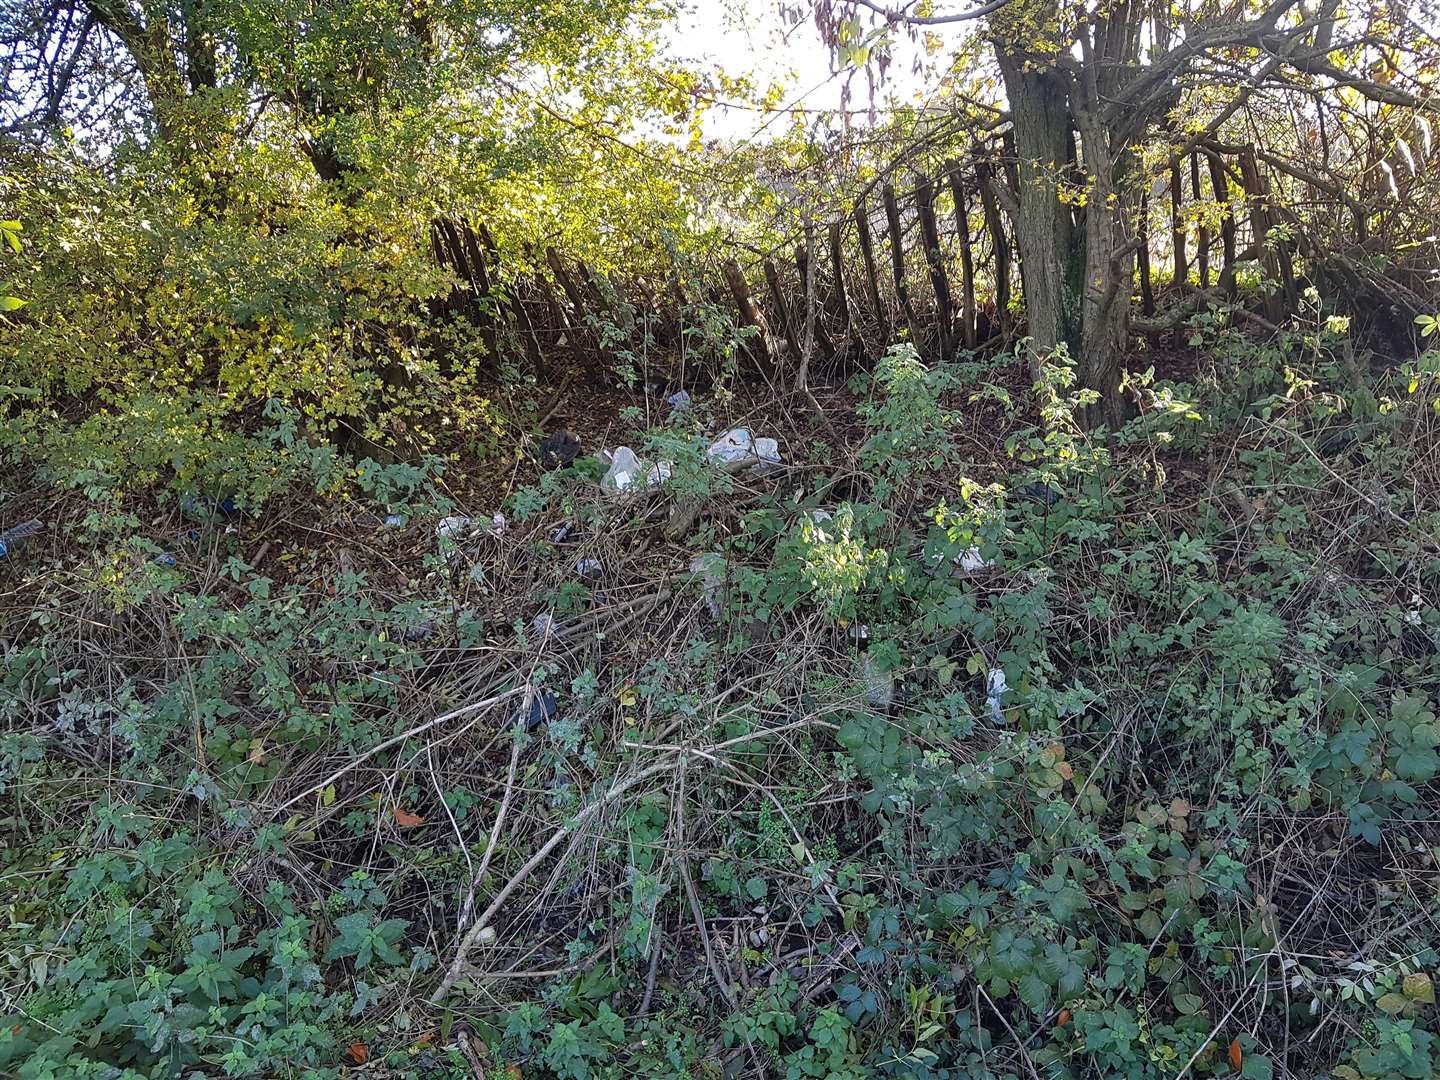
[
  {"x": 999, "y": 242},
  {"x": 1177, "y": 228},
  {"x": 1105, "y": 309},
  {"x": 1040, "y": 113},
  {"x": 1257, "y": 192}
]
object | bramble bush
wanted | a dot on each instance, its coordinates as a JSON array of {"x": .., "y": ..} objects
[{"x": 1198, "y": 837}]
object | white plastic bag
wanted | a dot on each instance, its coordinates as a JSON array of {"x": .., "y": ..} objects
[
  {"x": 624, "y": 468},
  {"x": 995, "y": 687},
  {"x": 736, "y": 444}
]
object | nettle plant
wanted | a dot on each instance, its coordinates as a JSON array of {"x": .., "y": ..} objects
[
  {"x": 909, "y": 431},
  {"x": 1310, "y": 708}
]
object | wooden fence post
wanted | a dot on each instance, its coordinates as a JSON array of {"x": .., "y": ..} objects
[
  {"x": 587, "y": 343},
  {"x": 930, "y": 235},
  {"x": 1202, "y": 234},
  {"x": 487, "y": 302},
  {"x": 999, "y": 245},
  {"x": 1177, "y": 228},
  {"x": 872, "y": 280},
  {"x": 802, "y": 264},
  {"x": 782, "y": 307},
  {"x": 967, "y": 257},
  {"x": 1142, "y": 258},
  {"x": 1220, "y": 186},
  {"x": 897, "y": 262},
  {"x": 514, "y": 304},
  {"x": 837, "y": 269}
]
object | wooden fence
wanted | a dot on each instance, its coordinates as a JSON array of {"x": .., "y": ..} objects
[{"x": 947, "y": 274}]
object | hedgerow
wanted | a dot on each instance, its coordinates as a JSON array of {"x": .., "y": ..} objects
[{"x": 288, "y": 796}]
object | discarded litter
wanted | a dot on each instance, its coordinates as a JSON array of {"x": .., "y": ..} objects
[
  {"x": 394, "y": 521},
  {"x": 452, "y": 527},
  {"x": 711, "y": 569},
  {"x": 624, "y": 468},
  {"x": 208, "y": 507},
  {"x": 559, "y": 448},
  {"x": 1041, "y": 493},
  {"x": 970, "y": 560},
  {"x": 879, "y": 684},
  {"x": 543, "y": 707},
  {"x": 558, "y": 534},
  {"x": 543, "y": 625},
  {"x": 680, "y": 401},
  {"x": 165, "y": 559},
  {"x": 814, "y": 526},
  {"x": 995, "y": 687},
  {"x": 14, "y": 537},
  {"x": 767, "y": 454},
  {"x": 588, "y": 567},
  {"x": 736, "y": 444}
]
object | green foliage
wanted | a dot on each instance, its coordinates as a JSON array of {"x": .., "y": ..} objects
[{"x": 1150, "y": 788}]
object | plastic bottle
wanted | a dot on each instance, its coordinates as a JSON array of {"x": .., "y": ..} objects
[{"x": 13, "y": 538}]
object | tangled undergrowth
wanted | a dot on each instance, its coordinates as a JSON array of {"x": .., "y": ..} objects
[{"x": 972, "y": 747}]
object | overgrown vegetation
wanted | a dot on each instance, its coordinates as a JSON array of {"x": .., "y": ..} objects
[{"x": 1013, "y": 723}]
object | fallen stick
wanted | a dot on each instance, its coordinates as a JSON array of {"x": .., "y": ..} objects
[
  {"x": 479, "y": 875},
  {"x": 457, "y": 965},
  {"x": 395, "y": 740}
]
